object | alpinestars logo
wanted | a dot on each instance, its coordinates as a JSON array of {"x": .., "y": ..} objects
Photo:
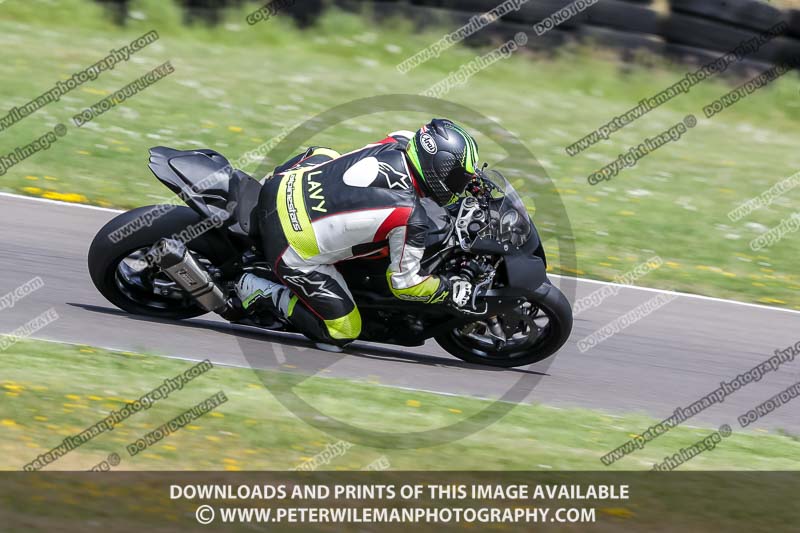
[
  {"x": 311, "y": 288},
  {"x": 394, "y": 179},
  {"x": 290, "y": 207}
]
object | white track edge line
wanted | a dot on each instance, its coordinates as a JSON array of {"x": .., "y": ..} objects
[
  {"x": 59, "y": 202},
  {"x": 247, "y": 367},
  {"x": 676, "y": 293}
]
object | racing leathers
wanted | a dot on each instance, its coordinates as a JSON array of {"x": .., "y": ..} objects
[{"x": 321, "y": 208}]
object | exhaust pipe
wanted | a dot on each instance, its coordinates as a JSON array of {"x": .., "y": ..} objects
[{"x": 174, "y": 259}]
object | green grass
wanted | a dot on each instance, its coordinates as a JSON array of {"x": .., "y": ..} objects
[
  {"x": 236, "y": 86},
  {"x": 51, "y": 391}
]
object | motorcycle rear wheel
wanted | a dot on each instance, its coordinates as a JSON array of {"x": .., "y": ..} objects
[{"x": 116, "y": 270}]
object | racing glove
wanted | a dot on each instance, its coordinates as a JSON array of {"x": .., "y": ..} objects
[{"x": 461, "y": 292}]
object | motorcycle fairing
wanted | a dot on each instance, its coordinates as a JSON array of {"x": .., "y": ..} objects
[
  {"x": 209, "y": 185},
  {"x": 201, "y": 177}
]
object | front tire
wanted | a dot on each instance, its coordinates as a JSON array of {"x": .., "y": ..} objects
[{"x": 552, "y": 303}]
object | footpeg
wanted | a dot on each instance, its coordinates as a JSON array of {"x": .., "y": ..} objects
[{"x": 174, "y": 259}]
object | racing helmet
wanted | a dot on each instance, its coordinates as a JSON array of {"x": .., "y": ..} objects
[{"x": 445, "y": 157}]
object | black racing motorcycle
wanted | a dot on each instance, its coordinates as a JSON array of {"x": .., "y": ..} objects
[{"x": 173, "y": 261}]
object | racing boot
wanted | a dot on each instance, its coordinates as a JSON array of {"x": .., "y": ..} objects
[{"x": 259, "y": 294}]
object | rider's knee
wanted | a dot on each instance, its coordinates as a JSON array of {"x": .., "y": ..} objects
[{"x": 345, "y": 329}]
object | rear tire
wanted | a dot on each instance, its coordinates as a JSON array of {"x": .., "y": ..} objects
[
  {"x": 553, "y": 303},
  {"x": 105, "y": 257}
]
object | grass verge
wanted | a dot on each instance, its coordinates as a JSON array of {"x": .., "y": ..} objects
[{"x": 51, "y": 391}]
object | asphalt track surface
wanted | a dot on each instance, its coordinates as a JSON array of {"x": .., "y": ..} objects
[{"x": 669, "y": 359}]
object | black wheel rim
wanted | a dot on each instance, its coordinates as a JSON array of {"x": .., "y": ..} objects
[
  {"x": 148, "y": 286},
  {"x": 533, "y": 331}
]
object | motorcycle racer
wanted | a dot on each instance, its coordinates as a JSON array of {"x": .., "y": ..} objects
[{"x": 321, "y": 207}]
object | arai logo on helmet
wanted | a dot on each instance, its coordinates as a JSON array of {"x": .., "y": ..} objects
[{"x": 428, "y": 144}]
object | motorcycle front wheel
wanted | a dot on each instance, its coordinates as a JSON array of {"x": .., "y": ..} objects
[{"x": 545, "y": 327}]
